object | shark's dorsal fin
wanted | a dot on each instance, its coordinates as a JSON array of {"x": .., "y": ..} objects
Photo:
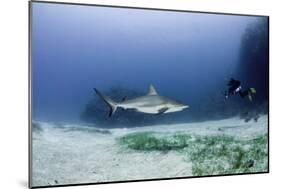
[{"x": 152, "y": 90}]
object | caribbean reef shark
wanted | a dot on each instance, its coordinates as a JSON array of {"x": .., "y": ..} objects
[{"x": 152, "y": 103}]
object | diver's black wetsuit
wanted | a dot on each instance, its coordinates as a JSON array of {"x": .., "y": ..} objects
[
  {"x": 235, "y": 87},
  {"x": 243, "y": 93}
]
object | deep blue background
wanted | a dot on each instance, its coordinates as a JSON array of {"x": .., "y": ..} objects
[{"x": 187, "y": 56}]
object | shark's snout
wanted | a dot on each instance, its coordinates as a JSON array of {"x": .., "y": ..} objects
[{"x": 185, "y": 106}]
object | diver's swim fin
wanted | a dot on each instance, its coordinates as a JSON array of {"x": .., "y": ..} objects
[
  {"x": 250, "y": 97},
  {"x": 251, "y": 91}
]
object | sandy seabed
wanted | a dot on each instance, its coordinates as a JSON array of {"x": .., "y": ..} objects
[{"x": 73, "y": 154}]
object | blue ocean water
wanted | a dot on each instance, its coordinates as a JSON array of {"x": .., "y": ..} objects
[{"x": 186, "y": 56}]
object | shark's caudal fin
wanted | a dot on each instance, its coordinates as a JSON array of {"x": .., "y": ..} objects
[
  {"x": 152, "y": 90},
  {"x": 112, "y": 105}
]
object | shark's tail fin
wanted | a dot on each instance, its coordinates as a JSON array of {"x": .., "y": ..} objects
[{"x": 112, "y": 105}]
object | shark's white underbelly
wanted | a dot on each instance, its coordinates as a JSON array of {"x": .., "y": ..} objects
[
  {"x": 145, "y": 109},
  {"x": 153, "y": 109}
]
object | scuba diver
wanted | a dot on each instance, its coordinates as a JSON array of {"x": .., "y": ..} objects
[{"x": 234, "y": 87}]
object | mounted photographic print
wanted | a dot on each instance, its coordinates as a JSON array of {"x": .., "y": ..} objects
[{"x": 121, "y": 94}]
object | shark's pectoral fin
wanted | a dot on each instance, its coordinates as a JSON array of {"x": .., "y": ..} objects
[{"x": 162, "y": 110}]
